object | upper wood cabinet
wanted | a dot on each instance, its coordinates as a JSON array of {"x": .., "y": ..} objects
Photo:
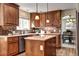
[
  {"x": 9, "y": 13},
  {"x": 33, "y": 21},
  {"x": 53, "y": 17},
  {"x": 50, "y": 18},
  {"x": 9, "y": 46},
  {"x": 57, "y": 19},
  {"x": 42, "y": 19}
]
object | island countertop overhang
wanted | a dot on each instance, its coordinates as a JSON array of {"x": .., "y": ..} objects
[{"x": 40, "y": 37}]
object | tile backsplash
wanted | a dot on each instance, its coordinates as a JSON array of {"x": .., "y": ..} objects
[
  {"x": 49, "y": 29},
  {"x": 10, "y": 29},
  {"x": 4, "y": 30}
]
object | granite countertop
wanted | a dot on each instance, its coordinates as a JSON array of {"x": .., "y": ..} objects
[
  {"x": 16, "y": 35},
  {"x": 40, "y": 37},
  {"x": 52, "y": 33},
  {"x": 29, "y": 34}
]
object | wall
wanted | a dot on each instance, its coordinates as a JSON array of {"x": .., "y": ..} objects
[
  {"x": 77, "y": 8},
  {"x": 24, "y": 14}
]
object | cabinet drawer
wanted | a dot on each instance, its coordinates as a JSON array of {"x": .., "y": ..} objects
[{"x": 12, "y": 39}]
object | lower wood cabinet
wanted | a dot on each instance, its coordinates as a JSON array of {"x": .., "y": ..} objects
[
  {"x": 40, "y": 48},
  {"x": 9, "y": 46},
  {"x": 50, "y": 47},
  {"x": 12, "y": 48},
  {"x": 33, "y": 48},
  {"x": 12, "y": 45},
  {"x": 58, "y": 41}
]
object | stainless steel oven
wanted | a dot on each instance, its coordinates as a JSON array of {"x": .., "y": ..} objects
[{"x": 67, "y": 37}]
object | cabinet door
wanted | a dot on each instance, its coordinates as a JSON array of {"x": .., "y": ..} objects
[
  {"x": 16, "y": 20},
  {"x": 36, "y": 48},
  {"x": 7, "y": 15},
  {"x": 58, "y": 41},
  {"x": 33, "y": 48},
  {"x": 36, "y": 22},
  {"x": 42, "y": 19},
  {"x": 57, "y": 21},
  {"x": 10, "y": 49},
  {"x": 50, "y": 18},
  {"x": 28, "y": 48},
  {"x": 11, "y": 13},
  {"x": 13, "y": 45},
  {"x": 54, "y": 18},
  {"x": 50, "y": 47}
]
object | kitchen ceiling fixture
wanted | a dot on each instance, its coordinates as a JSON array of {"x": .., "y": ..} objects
[
  {"x": 47, "y": 20},
  {"x": 37, "y": 16}
]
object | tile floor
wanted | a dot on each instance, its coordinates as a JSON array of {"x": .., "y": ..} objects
[{"x": 61, "y": 52}]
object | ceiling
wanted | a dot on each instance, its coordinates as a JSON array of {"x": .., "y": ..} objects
[{"x": 42, "y": 7}]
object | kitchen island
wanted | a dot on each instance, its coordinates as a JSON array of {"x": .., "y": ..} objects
[{"x": 41, "y": 45}]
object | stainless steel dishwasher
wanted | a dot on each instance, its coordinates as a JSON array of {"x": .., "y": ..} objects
[{"x": 21, "y": 44}]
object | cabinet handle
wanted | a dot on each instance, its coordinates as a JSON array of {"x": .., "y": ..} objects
[{"x": 41, "y": 47}]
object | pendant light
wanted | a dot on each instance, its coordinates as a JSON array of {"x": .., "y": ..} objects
[
  {"x": 37, "y": 16},
  {"x": 47, "y": 20}
]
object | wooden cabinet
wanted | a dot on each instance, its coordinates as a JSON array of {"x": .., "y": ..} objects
[
  {"x": 12, "y": 49},
  {"x": 58, "y": 41},
  {"x": 42, "y": 19},
  {"x": 9, "y": 14},
  {"x": 50, "y": 47},
  {"x": 40, "y": 48},
  {"x": 50, "y": 18},
  {"x": 9, "y": 46},
  {"x": 33, "y": 21},
  {"x": 16, "y": 22},
  {"x": 32, "y": 48},
  {"x": 53, "y": 17},
  {"x": 12, "y": 45},
  {"x": 57, "y": 19}
]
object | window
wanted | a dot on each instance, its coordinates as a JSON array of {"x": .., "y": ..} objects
[{"x": 24, "y": 24}]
